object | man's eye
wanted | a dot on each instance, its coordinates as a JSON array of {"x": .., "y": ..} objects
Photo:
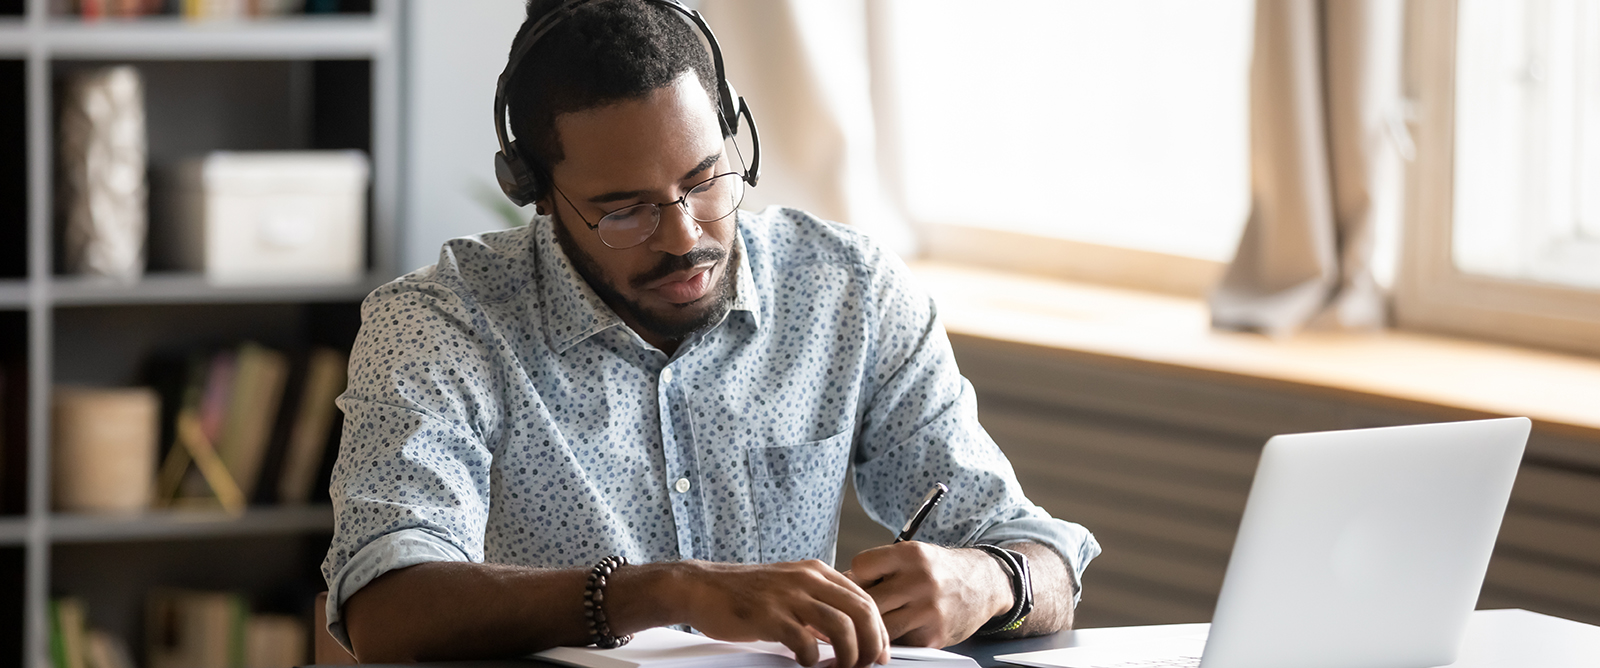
[
  {"x": 704, "y": 187},
  {"x": 632, "y": 214}
]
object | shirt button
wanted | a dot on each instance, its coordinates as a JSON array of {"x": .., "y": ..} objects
[
  {"x": 682, "y": 485},
  {"x": 666, "y": 377}
]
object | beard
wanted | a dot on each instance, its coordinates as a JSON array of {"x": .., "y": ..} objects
[{"x": 680, "y": 320}]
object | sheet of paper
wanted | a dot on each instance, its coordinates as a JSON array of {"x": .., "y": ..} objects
[
  {"x": 1180, "y": 647},
  {"x": 666, "y": 648}
]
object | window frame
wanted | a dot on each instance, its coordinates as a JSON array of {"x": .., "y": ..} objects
[
  {"x": 1430, "y": 292},
  {"x": 1068, "y": 259}
]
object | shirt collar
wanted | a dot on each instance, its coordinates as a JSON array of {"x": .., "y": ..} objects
[
  {"x": 574, "y": 312},
  {"x": 745, "y": 297}
]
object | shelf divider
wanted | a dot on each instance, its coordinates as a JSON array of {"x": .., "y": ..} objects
[
  {"x": 163, "y": 288},
  {"x": 13, "y": 530},
  {"x": 175, "y": 38},
  {"x": 187, "y": 524}
]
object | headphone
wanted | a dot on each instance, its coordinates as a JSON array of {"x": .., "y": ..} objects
[{"x": 524, "y": 184}]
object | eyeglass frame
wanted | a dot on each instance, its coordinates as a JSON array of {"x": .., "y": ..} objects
[{"x": 681, "y": 201}]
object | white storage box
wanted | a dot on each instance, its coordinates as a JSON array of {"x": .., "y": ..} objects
[{"x": 251, "y": 218}]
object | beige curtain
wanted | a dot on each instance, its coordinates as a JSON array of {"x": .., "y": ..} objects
[
  {"x": 804, "y": 67},
  {"x": 1324, "y": 108}
]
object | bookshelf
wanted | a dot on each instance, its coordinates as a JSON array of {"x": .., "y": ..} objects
[{"x": 328, "y": 81}]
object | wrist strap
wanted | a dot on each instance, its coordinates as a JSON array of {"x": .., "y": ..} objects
[
  {"x": 594, "y": 600},
  {"x": 1016, "y": 567}
]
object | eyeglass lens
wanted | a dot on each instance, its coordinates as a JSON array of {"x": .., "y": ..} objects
[{"x": 711, "y": 200}]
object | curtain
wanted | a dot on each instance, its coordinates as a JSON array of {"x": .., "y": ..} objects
[
  {"x": 1325, "y": 172},
  {"x": 804, "y": 67}
]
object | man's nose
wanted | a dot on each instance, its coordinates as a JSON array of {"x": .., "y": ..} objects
[{"x": 678, "y": 232}]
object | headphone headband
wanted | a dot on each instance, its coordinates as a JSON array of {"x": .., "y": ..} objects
[{"x": 523, "y": 183}]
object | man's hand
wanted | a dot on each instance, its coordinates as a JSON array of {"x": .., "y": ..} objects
[
  {"x": 932, "y": 596},
  {"x": 791, "y": 603}
]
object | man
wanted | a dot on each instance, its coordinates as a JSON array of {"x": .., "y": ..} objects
[{"x": 646, "y": 373}]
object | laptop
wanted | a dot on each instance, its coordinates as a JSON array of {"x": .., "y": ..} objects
[{"x": 1358, "y": 549}]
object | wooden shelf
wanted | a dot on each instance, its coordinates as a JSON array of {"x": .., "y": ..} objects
[
  {"x": 175, "y": 38},
  {"x": 13, "y": 294},
  {"x": 15, "y": 37},
  {"x": 187, "y": 524},
  {"x": 71, "y": 291},
  {"x": 13, "y": 530},
  {"x": 165, "y": 37}
]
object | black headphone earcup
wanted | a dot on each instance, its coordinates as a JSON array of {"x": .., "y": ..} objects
[{"x": 519, "y": 183}]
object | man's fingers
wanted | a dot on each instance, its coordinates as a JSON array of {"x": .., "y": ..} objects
[
  {"x": 844, "y": 580},
  {"x": 867, "y": 636},
  {"x": 893, "y": 594},
  {"x": 872, "y": 565},
  {"x": 799, "y": 640},
  {"x": 897, "y": 623},
  {"x": 871, "y": 635},
  {"x": 840, "y": 629}
]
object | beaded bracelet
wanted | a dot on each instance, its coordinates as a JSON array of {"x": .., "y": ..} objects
[{"x": 594, "y": 599}]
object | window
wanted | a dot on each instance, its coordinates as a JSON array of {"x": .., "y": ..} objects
[
  {"x": 1122, "y": 125},
  {"x": 1502, "y": 236},
  {"x": 1527, "y": 169}
]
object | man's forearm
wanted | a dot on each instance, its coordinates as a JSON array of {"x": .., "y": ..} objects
[
  {"x": 452, "y": 610},
  {"x": 455, "y": 610},
  {"x": 1052, "y": 592}
]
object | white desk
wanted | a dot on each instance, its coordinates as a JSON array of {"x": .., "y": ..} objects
[{"x": 1495, "y": 639}]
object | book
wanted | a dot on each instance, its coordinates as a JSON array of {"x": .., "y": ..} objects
[
  {"x": 670, "y": 648},
  {"x": 272, "y": 463},
  {"x": 195, "y": 629},
  {"x": 193, "y": 446},
  {"x": 67, "y": 631},
  {"x": 252, "y": 408},
  {"x": 107, "y": 651},
  {"x": 217, "y": 393},
  {"x": 275, "y": 641},
  {"x": 308, "y": 436}
]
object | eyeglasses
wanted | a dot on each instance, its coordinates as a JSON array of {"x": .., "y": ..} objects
[{"x": 709, "y": 201}]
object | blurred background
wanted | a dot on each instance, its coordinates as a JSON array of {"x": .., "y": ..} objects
[{"x": 1158, "y": 232}]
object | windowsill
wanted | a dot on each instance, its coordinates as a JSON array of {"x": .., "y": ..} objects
[{"x": 1558, "y": 390}]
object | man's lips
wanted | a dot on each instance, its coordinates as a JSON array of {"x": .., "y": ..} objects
[{"x": 684, "y": 286}]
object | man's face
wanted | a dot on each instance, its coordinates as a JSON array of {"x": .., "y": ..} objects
[{"x": 651, "y": 149}]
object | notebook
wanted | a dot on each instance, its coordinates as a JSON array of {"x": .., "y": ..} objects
[{"x": 670, "y": 648}]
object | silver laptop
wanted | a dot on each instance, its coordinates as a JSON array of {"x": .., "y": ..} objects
[{"x": 1358, "y": 549}]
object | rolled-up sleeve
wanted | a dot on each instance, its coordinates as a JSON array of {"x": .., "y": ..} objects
[
  {"x": 389, "y": 552},
  {"x": 412, "y": 480},
  {"x": 920, "y": 426}
]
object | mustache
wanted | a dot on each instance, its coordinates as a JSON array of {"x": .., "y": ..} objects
[{"x": 671, "y": 264}]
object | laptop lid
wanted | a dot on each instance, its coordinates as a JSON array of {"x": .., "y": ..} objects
[{"x": 1365, "y": 548}]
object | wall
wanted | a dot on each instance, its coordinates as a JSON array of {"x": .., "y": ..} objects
[{"x": 454, "y": 52}]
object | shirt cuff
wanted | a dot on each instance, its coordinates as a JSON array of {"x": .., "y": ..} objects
[
  {"x": 1074, "y": 543},
  {"x": 394, "y": 551}
]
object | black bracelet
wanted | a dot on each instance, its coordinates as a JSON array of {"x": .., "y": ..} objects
[
  {"x": 1016, "y": 566},
  {"x": 594, "y": 599}
]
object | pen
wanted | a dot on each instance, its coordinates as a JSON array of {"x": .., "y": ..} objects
[{"x": 928, "y": 502}]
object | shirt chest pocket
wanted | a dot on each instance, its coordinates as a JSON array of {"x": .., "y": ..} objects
[{"x": 797, "y": 489}]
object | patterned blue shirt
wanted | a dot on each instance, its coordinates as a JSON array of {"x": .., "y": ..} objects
[{"x": 499, "y": 411}]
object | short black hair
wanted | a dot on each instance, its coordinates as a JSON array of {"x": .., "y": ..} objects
[{"x": 606, "y": 52}]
